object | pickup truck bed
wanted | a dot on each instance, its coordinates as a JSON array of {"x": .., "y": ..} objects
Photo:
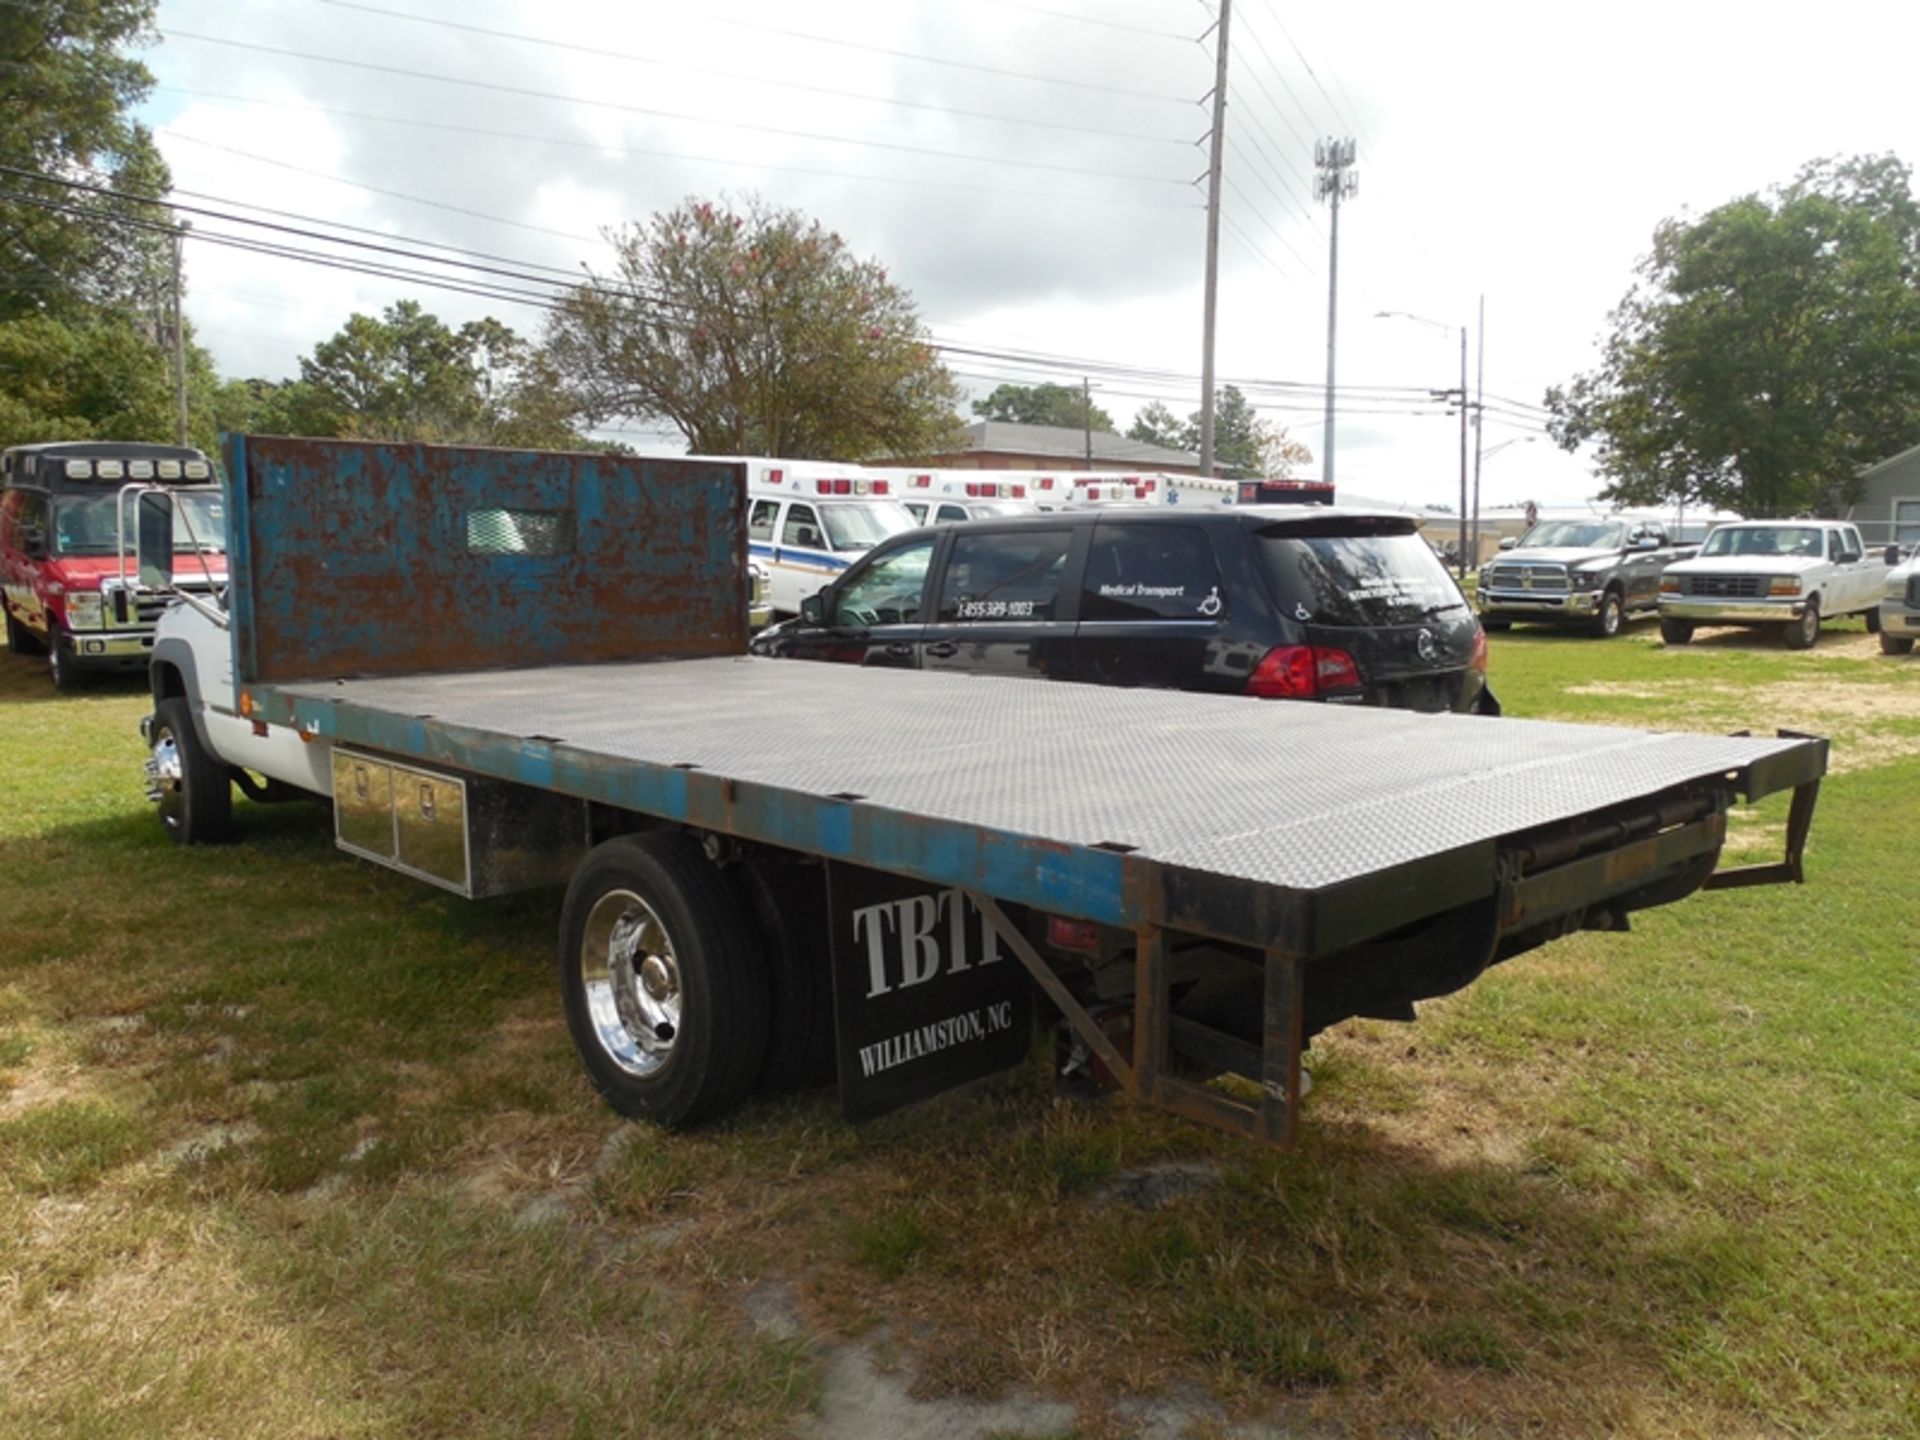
[{"x": 1082, "y": 799}]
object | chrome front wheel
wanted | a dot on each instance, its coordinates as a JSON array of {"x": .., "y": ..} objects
[{"x": 167, "y": 779}]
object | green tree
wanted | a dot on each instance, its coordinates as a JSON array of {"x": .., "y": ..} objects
[
  {"x": 94, "y": 377},
  {"x": 1245, "y": 447},
  {"x": 406, "y": 375},
  {"x": 754, "y": 332},
  {"x": 67, "y": 88},
  {"x": 1767, "y": 351},
  {"x": 1044, "y": 404},
  {"x": 1155, "y": 424}
]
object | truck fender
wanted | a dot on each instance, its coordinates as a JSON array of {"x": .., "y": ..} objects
[{"x": 171, "y": 671}]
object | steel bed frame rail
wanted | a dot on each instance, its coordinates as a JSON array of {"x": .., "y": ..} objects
[{"x": 322, "y": 530}]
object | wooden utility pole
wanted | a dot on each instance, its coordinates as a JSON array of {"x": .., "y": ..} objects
[
  {"x": 179, "y": 350},
  {"x": 1217, "y": 143}
]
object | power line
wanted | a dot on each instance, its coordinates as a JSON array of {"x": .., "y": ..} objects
[
  {"x": 1287, "y": 202},
  {"x": 549, "y": 296},
  {"x": 656, "y": 113},
  {"x": 1280, "y": 79},
  {"x": 1091, "y": 20},
  {"x": 655, "y": 152},
  {"x": 1253, "y": 249},
  {"x": 173, "y": 134},
  {"x": 1180, "y": 100},
  {"x": 600, "y": 52},
  {"x": 1270, "y": 226},
  {"x": 1274, "y": 166},
  {"x": 1280, "y": 24}
]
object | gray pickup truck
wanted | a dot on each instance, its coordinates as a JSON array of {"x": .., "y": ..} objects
[{"x": 1588, "y": 573}]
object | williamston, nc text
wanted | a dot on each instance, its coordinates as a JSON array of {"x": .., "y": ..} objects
[{"x": 937, "y": 1035}]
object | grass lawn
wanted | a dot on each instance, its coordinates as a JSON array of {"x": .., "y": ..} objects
[{"x": 290, "y": 1146}]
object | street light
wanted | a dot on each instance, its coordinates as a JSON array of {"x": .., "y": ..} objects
[
  {"x": 1516, "y": 440},
  {"x": 1480, "y": 458},
  {"x": 1465, "y": 404}
]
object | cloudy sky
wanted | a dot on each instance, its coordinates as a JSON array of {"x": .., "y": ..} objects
[{"x": 1026, "y": 168}]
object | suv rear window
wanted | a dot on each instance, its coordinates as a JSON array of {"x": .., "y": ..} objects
[
  {"x": 1355, "y": 573},
  {"x": 1014, "y": 575},
  {"x": 1150, "y": 572}
]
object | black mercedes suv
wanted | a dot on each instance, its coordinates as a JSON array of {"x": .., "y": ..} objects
[{"x": 1282, "y": 602}]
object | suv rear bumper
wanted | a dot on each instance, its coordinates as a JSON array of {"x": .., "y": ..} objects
[{"x": 1732, "y": 612}]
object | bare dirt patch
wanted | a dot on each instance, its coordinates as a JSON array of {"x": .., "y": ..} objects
[{"x": 1854, "y": 716}]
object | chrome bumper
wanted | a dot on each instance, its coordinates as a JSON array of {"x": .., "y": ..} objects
[
  {"x": 1533, "y": 602},
  {"x": 1731, "y": 612},
  {"x": 106, "y": 647},
  {"x": 1899, "y": 617}
]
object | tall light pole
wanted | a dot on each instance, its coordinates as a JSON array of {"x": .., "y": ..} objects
[
  {"x": 1465, "y": 398},
  {"x": 1334, "y": 180},
  {"x": 1218, "y": 140}
]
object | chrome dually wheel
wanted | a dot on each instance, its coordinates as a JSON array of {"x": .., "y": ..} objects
[
  {"x": 664, "y": 979},
  {"x": 632, "y": 983}
]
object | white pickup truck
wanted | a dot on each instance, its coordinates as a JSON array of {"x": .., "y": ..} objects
[
  {"x": 1789, "y": 573},
  {"x": 1900, "y": 608}
]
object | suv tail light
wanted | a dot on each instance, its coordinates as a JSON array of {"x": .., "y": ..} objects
[
  {"x": 1299, "y": 672},
  {"x": 1478, "y": 660}
]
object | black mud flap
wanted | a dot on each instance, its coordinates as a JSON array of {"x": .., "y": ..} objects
[{"x": 925, "y": 996}]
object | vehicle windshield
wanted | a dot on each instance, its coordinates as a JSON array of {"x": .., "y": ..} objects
[
  {"x": 861, "y": 527},
  {"x": 1575, "y": 535},
  {"x": 84, "y": 524},
  {"x": 1763, "y": 540},
  {"x": 1341, "y": 573}
]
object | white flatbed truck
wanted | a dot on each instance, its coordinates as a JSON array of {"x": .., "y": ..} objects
[{"x": 507, "y": 670}]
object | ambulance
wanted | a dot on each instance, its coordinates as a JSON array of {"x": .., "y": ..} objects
[
  {"x": 1111, "y": 488},
  {"x": 807, "y": 520},
  {"x": 942, "y": 497}
]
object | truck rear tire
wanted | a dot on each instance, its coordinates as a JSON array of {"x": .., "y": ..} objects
[
  {"x": 1895, "y": 644},
  {"x": 1804, "y": 633},
  {"x": 664, "y": 986},
  {"x": 790, "y": 903},
  {"x": 1608, "y": 618},
  {"x": 1676, "y": 632},
  {"x": 20, "y": 640},
  {"x": 194, "y": 790}
]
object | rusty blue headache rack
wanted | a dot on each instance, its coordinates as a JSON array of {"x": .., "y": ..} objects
[
  {"x": 352, "y": 558},
  {"x": 1298, "y": 831}
]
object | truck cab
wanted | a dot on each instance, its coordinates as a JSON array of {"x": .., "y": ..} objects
[{"x": 66, "y": 582}]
